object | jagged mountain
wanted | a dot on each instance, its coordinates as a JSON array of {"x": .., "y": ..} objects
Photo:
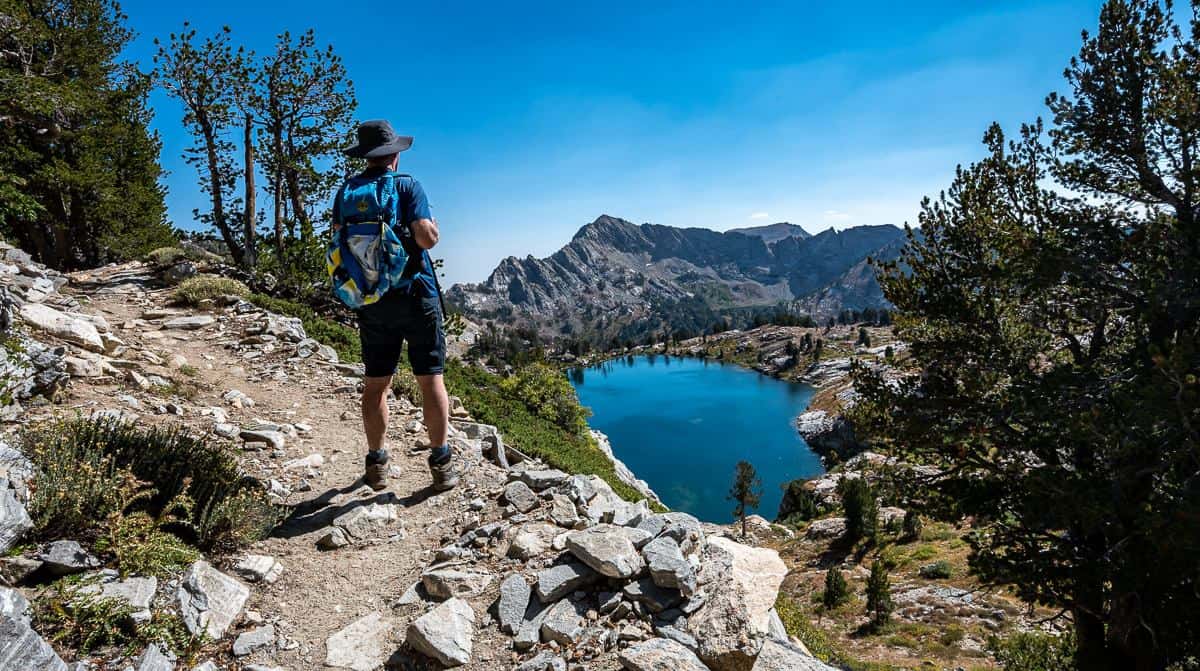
[
  {"x": 773, "y": 232},
  {"x": 618, "y": 279}
]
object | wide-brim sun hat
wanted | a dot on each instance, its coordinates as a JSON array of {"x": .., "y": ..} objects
[{"x": 377, "y": 138}]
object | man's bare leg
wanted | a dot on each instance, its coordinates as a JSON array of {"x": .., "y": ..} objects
[
  {"x": 375, "y": 423},
  {"x": 435, "y": 405}
]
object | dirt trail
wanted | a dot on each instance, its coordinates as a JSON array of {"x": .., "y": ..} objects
[{"x": 320, "y": 591}]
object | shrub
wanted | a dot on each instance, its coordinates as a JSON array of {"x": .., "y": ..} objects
[
  {"x": 862, "y": 511},
  {"x": 547, "y": 393},
  {"x": 226, "y": 510},
  {"x": 836, "y": 592},
  {"x": 207, "y": 287},
  {"x": 797, "y": 624},
  {"x": 799, "y": 504},
  {"x": 80, "y": 621},
  {"x": 937, "y": 570},
  {"x": 166, "y": 256},
  {"x": 912, "y": 525},
  {"x": 1028, "y": 651},
  {"x": 141, "y": 546},
  {"x": 879, "y": 596}
]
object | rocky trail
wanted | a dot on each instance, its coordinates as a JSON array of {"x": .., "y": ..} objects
[{"x": 519, "y": 567}]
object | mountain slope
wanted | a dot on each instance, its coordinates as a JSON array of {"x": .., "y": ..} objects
[
  {"x": 773, "y": 232},
  {"x": 618, "y": 279}
]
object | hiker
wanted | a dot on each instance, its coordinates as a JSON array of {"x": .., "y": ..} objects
[{"x": 380, "y": 266}]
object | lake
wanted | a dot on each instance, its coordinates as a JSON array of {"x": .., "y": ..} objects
[{"x": 682, "y": 424}]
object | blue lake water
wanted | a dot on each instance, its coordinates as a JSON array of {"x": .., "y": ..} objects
[{"x": 682, "y": 424}]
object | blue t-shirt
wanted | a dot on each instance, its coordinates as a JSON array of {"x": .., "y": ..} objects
[{"x": 414, "y": 206}]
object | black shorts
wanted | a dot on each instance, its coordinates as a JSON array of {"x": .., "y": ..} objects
[{"x": 399, "y": 317}]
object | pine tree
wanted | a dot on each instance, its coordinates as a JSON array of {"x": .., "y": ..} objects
[
  {"x": 862, "y": 510},
  {"x": 746, "y": 490},
  {"x": 1052, "y": 306},
  {"x": 879, "y": 594},
  {"x": 78, "y": 166},
  {"x": 836, "y": 593}
]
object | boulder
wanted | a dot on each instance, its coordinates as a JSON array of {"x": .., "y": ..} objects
[
  {"x": 445, "y": 633},
  {"x": 137, "y": 593},
  {"x": 371, "y": 520},
  {"x": 538, "y": 480},
  {"x": 606, "y": 549},
  {"x": 740, "y": 584},
  {"x": 544, "y": 661},
  {"x": 156, "y": 659},
  {"x": 557, "y": 581},
  {"x": 655, "y": 599},
  {"x": 13, "y": 570},
  {"x": 660, "y": 654},
  {"x": 829, "y": 527},
  {"x": 783, "y": 656},
  {"x": 685, "y": 529},
  {"x": 531, "y": 540},
  {"x": 14, "y": 519},
  {"x": 530, "y": 631},
  {"x": 210, "y": 601},
  {"x": 520, "y": 496},
  {"x": 249, "y": 642},
  {"x": 61, "y": 325},
  {"x": 563, "y": 623},
  {"x": 276, "y": 439},
  {"x": 20, "y": 646},
  {"x": 513, "y": 602},
  {"x": 67, "y": 558},
  {"x": 563, "y": 512},
  {"x": 361, "y": 646},
  {"x": 668, "y": 567},
  {"x": 449, "y": 583}
]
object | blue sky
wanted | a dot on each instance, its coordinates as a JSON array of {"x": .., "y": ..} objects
[{"x": 531, "y": 119}]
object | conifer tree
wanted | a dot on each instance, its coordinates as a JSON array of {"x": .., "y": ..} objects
[
  {"x": 1052, "y": 307},
  {"x": 836, "y": 593},
  {"x": 879, "y": 594},
  {"x": 746, "y": 491},
  {"x": 78, "y": 165}
]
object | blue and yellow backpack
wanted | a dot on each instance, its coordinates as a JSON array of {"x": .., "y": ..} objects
[{"x": 365, "y": 257}]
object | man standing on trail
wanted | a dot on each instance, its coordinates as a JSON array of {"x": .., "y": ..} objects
[{"x": 410, "y": 312}]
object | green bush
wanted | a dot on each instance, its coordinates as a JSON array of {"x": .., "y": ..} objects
[
  {"x": 913, "y": 525},
  {"x": 141, "y": 546},
  {"x": 547, "y": 392},
  {"x": 1028, "y": 651},
  {"x": 836, "y": 592},
  {"x": 166, "y": 256},
  {"x": 226, "y": 509},
  {"x": 68, "y": 616},
  {"x": 208, "y": 287},
  {"x": 797, "y": 624},
  {"x": 937, "y": 570},
  {"x": 862, "y": 510}
]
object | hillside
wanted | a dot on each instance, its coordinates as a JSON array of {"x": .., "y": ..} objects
[{"x": 617, "y": 279}]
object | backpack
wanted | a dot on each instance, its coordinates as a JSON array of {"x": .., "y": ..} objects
[{"x": 365, "y": 257}]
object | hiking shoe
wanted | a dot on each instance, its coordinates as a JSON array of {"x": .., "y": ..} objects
[
  {"x": 376, "y": 473},
  {"x": 445, "y": 475}
]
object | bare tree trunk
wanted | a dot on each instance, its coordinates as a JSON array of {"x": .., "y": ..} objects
[
  {"x": 218, "y": 201},
  {"x": 250, "y": 257},
  {"x": 297, "y": 198},
  {"x": 277, "y": 143}
]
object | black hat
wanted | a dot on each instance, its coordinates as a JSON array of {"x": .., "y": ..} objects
[{"x": 377, "y": 138}]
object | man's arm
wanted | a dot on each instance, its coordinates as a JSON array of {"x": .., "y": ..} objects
[{"x": 425, "y": 232}]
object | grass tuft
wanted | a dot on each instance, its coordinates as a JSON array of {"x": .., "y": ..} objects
[{"x": 207, "y": 287}]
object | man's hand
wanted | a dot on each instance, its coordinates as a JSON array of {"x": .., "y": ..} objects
[{"x": 425, "y": 232}]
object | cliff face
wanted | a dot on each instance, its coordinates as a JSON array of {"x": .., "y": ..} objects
[{"x": 613, "y": 273}]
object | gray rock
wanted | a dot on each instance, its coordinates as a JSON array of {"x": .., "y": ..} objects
[
  {"x": 580, "y": 489},
  {"x": 520, "y": 496},
  {"x": 332, "y": 539},
  {"x": 61, "y": 325},
  {"x": 275, "y": 439},
  {"x": 530, "y": 631},
  {"x": 20, "y": 646},
  {"x": 740, "y": 584},
  {"x": 249, "y": 642},
  {"x": 226, "y": 430},
  {"x": 531, "y": 540},
  {"x": 156, "y": 659},
  {"x": 563, "y": 624},
  {"x": 513, "y": 602},
  {"x": 660, "y": 654},
  {"x": 544, "y": 661},
  {"x": 678, "y": 635},
  {"x": 259, "y": 568},
  {"x": 652, "y": 524},
  {"x": 209, "y": 600},
  {"x": 361, "y": 646},
  {"x": 606, "y": 549},
  {"x": 783, "y": 656},
  {"x": 137, "y": 593},
  {"x": 17, "y": 469},
  {"x": 207, "y": 665},
  {"x": 563, "y": 512},
  {"x": 445, "y": 633},
  {"x": 685, "y": 529},
  {"x": 656, "y": 599},
  {"x": 414, "y": 595},
  {"x": 14, "y": 519},
  {"x": 775, "y": 628},
  {"x": 369, "y": 521},
  {"x": 543, "y": 479},
  {"x": 67, "y": 558},
  {"x": 13, "y": 570},
  {"x": 190, "y": 323},
  {"x": 557, "y": 581},
  {"x": 449, "y": 583},
  {"x": 668, "y": 567}
]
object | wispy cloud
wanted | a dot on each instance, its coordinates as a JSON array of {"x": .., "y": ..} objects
[
  {"x": 760, "y": 215},
  {"x": 835, "y": 215}
]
